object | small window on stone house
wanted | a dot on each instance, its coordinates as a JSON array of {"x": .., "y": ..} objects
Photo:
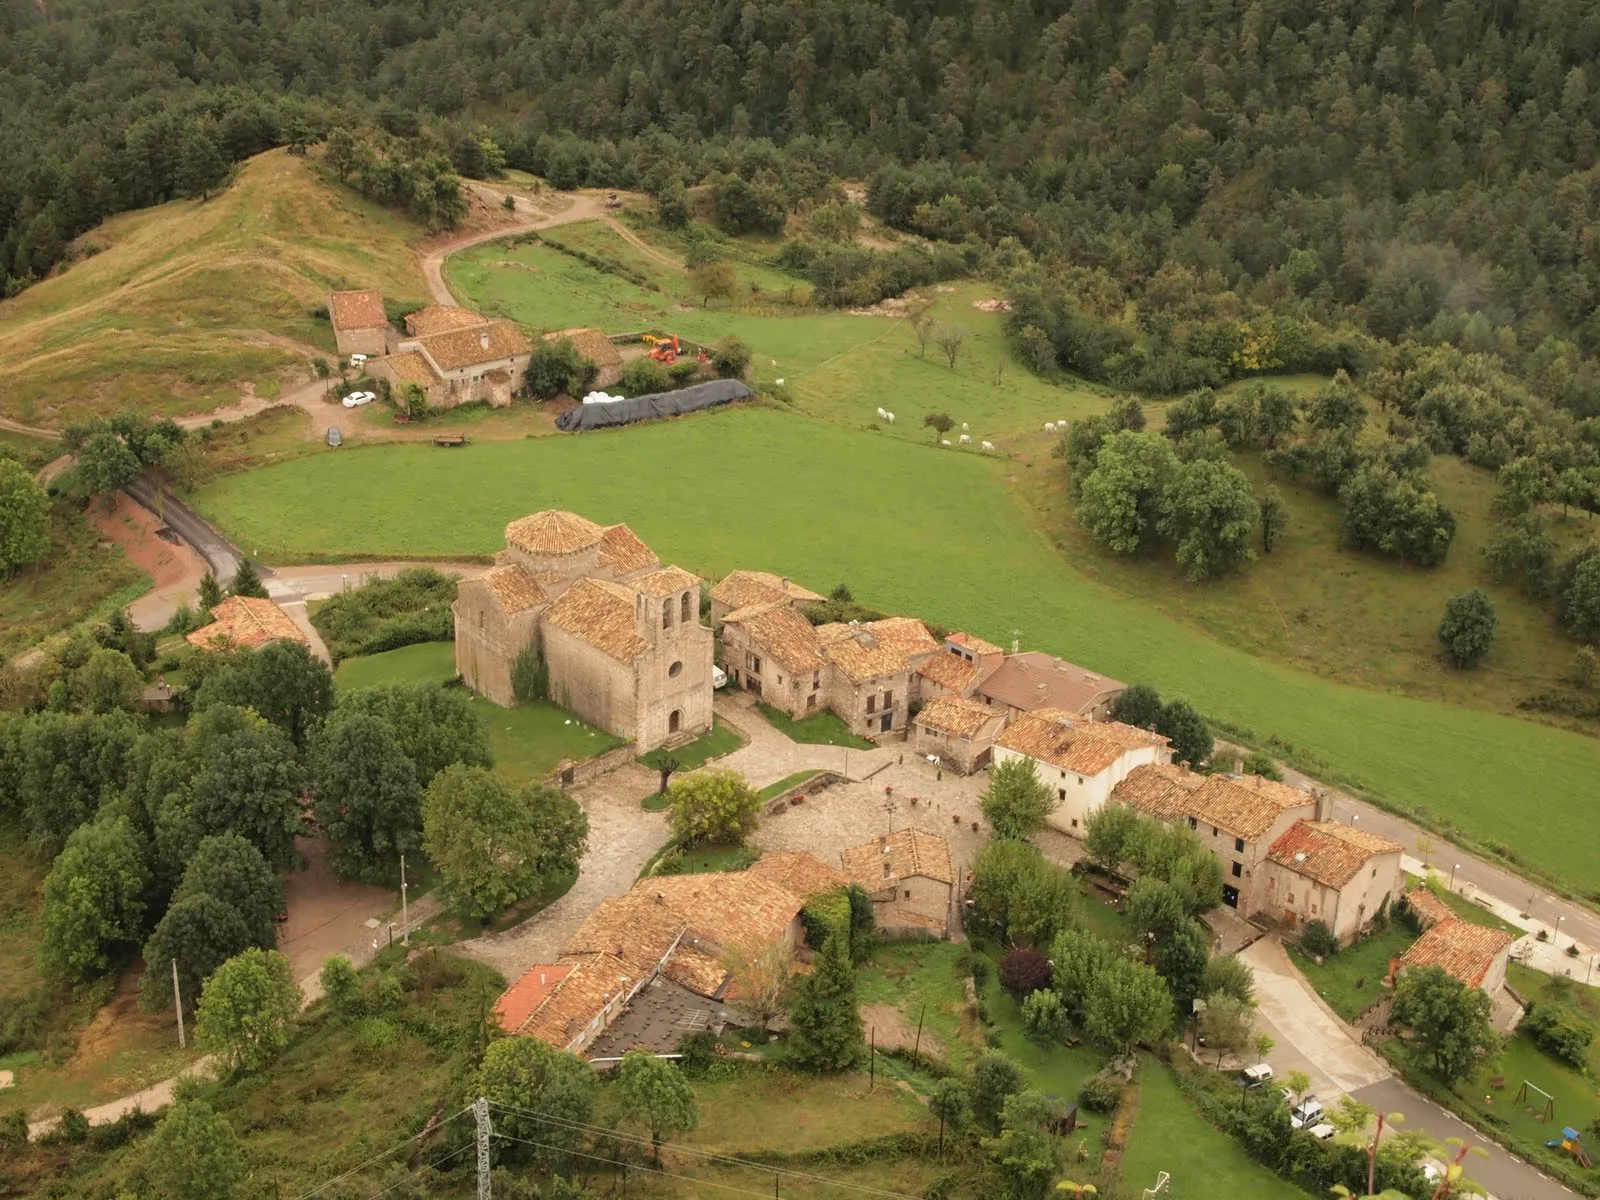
[
  {"x": 1193, "y": 824},
  {"x": 684, "y": 610},
  {"x": 872, "y": 704},
  {"x": 666, "y": 615},
  {"x": 888, "y": 700},
  {"x": 908, "y": 893},
  {"x": 1238, "y": 844},
  {"x": 1238, "y": 870}
]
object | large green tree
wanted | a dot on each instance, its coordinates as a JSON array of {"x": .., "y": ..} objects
[
  {"x": 246, "y": 1009},
  {"x": 94, "y": 899},
  {"x": 717, "y": 806},
  {"x": 1449, "y": 1020},
  {"x": 1016, "y": 802},
  {"x": 549, "y": 1094},
  {"x": 1130, "y": 1006},
  {"x": 24, "y": 518},
  {"x": 436, "y": 727},
  {"x": 1467, "y": 628},
  {"x": 1211, "y": 514},
  {"x": 229, "y": 867},
  {"x": 824, "y": 1025},
  {"x": 247, "y": 779},
  {"x": 494, "y": 844},
  {"x": 194, "y": 1154},
  {"x": 198, "y": 933},
  {"x": 282, "y": 681},
  {"x": 1123, "y": 500},
  {"x": 995, "y": 1079},
  {"x": 654, "y": 1093},
  {"x": 368, "y": 800},
  {"x": 1025, "y": 1153}
]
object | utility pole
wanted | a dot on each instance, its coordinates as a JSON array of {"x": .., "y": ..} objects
[
  {"x": 480, "y": 1112},
  {"x": 405, "y": 911},
  {"x": 177, "y": 1003}
]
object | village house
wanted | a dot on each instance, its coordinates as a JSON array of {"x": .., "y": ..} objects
[
  {"x": 1080, "y": 760},
  {"x": 459, "y": 357},
  {"x": 874, "y": 676},
  {"x": 748, "y": 589},
  {"x": 1333, "y": 873},
  {"x": 966, "y": 662},
  {"x": 685, "y": 929},
  {"x": 619, "y": 634},
  {"x": 1474, "y": 954},
  {"x": 360, "y": 324},
  {"x": 594, "y": 346},
  {"x": 246, "y": 623},
  {"x": 773, "y": 652},
  {"x": 1427, "y": 908},
  {"x": 911, "y": 878},
  {"x": 1030, "y": 680},
  {"x": 1238, "y": 818},
  {"x": 960, "y": 733}
]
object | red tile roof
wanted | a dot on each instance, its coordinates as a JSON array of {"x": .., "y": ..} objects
[
  {"x": 952, "y": 672},
  {"x": 875, "y": 649},
  {"x": 442, "y": 318},
  {"x": 1032, "y": 680},
  {"x": 1464, "y": 950},
  {"x": 951, "y": 714},
  {"x": 783, "y": 634},
  {"x": 796, "y": 871},
  {"x": 523, "y": 998},
  {"x": 1159, "y": 790},
  {"x": 907, "y": 852},
  {"x": 357, "y": 310},
  {"x": 512, "y": 588},
  {"x": 1429, "y": 909},
  {"x": 624, "y": 551},
  {"x": 600, "y": 613},
  {"x": 975, "y": 644},
  {"x": 1327, "y": 852},
  {"x": 553, "y": 532},
  {"x": 1246, "y": 807},
  {"x": 245, "y": 623},
  {"x": 1084, "y": 747},
  {"x": 740, "y": 589}
]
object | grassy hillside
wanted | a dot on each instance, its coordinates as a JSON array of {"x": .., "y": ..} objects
[
  {"x": 179, "y": 308},
  {"x": 915, "y": 529}
]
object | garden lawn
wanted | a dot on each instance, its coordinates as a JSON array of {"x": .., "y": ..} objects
[
  {"x": 1204, "y": 1162},
  {"x": 759, "y": 1110},
  {"x": 942, "y": 539},
  {"x": 819, "y": 729},
  {"x": 1352, "y": 980},
  {"x": 716, "y": 742},
  {"x": 531, "y": 740},
  {"x": 425, "y": 662},
  {"x": 774, "y": 790}
]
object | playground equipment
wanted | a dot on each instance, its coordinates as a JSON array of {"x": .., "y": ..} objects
[
  {"x": 663, "y": 349},
  {"x": 1546, "y": 1112},
  {"x": 1163, "y": 1187},
  {"x": 1568, "y": 1141}
]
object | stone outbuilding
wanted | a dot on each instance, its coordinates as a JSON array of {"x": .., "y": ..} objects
[
  {"x": 1031, "y": 680},
  {"x": 875, "y": 663},
  {"x": 1081, "y": 761},
  {"x": 960, "y": 733},
  {"x": 967, "y": 661},
  {"x": 594, "y": 346},
  {"x": 1474, "y": 954},
  {"x": 246, "y": 623},
  {"x": 748, "y": 589},
  {"x": 773, "y": 652},
  {"x": 360, "y": 324},
  {"x": 619, "y": 634},
  {"x": 911, "y": 878},
  {"x": 1333, "y": 873}
]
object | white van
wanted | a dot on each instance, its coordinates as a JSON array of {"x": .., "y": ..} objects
[{"x": 1254, "y": 1077}]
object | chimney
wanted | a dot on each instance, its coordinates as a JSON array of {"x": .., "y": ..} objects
[
  {"x": 1238, "y": 766},
  {"x": 1324, "y": 809},
  {"x": 483, "y": 339},
  {"x": 1257, "y": 778},
  {"x": 1183, "y": 767}
]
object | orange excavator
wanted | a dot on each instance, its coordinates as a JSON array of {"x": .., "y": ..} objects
[{"x": 663, "y": 349}]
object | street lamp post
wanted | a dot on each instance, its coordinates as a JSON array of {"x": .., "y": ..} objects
[
  {"x": 1556, "y": 941},
  {"x": 1453, "y": 871}
]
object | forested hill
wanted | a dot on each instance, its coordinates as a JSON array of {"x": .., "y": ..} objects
[{"x": 1409, "y": 167}]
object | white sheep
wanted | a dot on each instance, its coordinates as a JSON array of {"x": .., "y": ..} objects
[
  {"x": 889, "y": 417},
  {"x": 965, "y": 438},
  {"x": 944, "y": 441},
  {"x": 1049, "y": 426},
  {"x": 965, "y": 427},
  {"x": 987, "y": 445},
  {"x": 882, "y": 414},
  {"x": 779, "y": 382}
]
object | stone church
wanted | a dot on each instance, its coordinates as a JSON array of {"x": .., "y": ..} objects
[{"x": 620, "y": 634}]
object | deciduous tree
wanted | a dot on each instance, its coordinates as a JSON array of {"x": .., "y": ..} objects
[
  {"x": 283, "y": 682},
  {"x": 995, "y": 1079},
  {"x": 436, "y": 727},
  {"x": 1015, "y": 803},
  {"x": 229, "y": 867},
  {"x": 1467, "y": 629},
  {"x": 1448, "y": 1019},
  {"x": 199, "y": 932},
  {"x": 1211, "y": 514},
  {"x": 368, "y": 800},
  {"x": 194, "y": 1154},
  {"x": 1129, "y": 1006},
  {"x": 1187, "y": 731},
  {"x": 246, "y": 1009},
  {"x": 1123, "y": 499},
  {"x": 716, "y": 806},
  {"x": 24, "y": 518},
  {"x": 654, "y": 1093},
  {"x": 94, "y": 900},
  {"x": 524, "y": 1073}
]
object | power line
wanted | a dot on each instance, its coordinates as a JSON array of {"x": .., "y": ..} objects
[
  {"x": 410, "y": 1176},
  {"x": 322, "y": 1187},
  {"x": 727, "y": 1187},
  {"x": 635, "y": 1140}
]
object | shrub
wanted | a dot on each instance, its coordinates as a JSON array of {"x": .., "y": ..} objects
[
  {"x": 14, "y": 1127},
  {"x": 699, "y": 1051},
  {"x": 1558, "y": 1033},
  {"x": 1023, "y": 972},
  {"x": 1043, "y": 1017},
  {"x": 644, "y": 376},
  {"x": 1467, "y": 629},
  {"x": 1318, "y": 940},
  {"x": 731, "y": 358},
  {"x": 413, "y": 606},
  {"x": 72, "y": 1128},
  {"x": 1100, "y": 1093}
]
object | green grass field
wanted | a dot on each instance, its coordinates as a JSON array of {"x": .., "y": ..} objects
[
  {"x": 1203, "y": 1162},
  {"x": 773, "y": 790},
  {"x": 945, "y": 540},
  {"x": 1352, "y": 980},
  {"x": 819, "y": 729},
  {"x": 80, "y": 581},
  {"x": 425, "y": 662},
  {"x": 719, "y": 740}
]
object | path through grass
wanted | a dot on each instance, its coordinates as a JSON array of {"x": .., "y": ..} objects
[{"x": 943, "y": 539}]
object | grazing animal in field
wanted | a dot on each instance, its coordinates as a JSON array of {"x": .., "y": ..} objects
[
  {"x": 882, "y": 414},
  {"x": 965, "y": 427},
  {"x": 988, "y": 445},
  {"x": 889, "y": 417},
  {"x": 944, "y": 441},
  {"x": 1049, "y": 426},
  {"x": 965, "y": 438}
]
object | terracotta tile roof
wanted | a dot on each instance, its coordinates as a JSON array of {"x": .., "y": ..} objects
[
  {"x": 950, "y": 714},
  {"x": 1430, "y": 910},
  {"x": 1085, "y": 747},
  {"x": 1463, "y": 949},
  {"x": 592, "y": 345},
  {"x": 523, "y": 998},
  {"x": 796, "y": 871},
  {"x": 411, "y": 367},
  {"x": 442, "y": 318},
  {"x": 667, "y": 582},
  {"x": 624, "y": 551},
  {"x": 740, "y": 589},
  {"x": 974, "y": 643},
  {"x": 1159, "y": 790},
  {"x": 873, "y": 649},
  {"x": 787, "y": 637},
  {"x": 600, "y": 613},
  {"x": 357, "y": 310},
  {"x": 1327, "y": 852},
  {"x": 512, "y": 588},
  {"x": 728, "y": 908},
  {"x": 696, "y": 970},
  {"x": 908, "y": 853},
  {"x": 246, "y": 622},
  {"x": 1033, "y": 680},
  {"x": 951, "y": 672},
  {"x": 553, "y": 532},
  {"x": 459, "y": 348},
  {"x": 1246, "y": 807}
]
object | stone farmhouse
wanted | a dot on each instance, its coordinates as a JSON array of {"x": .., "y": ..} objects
[
  {"x": 959, "y": 733},
  {"x": 747, "y": 589},
  {"x": 1017, "y": 683},
  {"x": 1082, "y": 760},
  {"x": 911, "y": 878},
  {"x": 620, "y": 635},
  {"x": 1474, "y": 954},
  {"x": 360, "y": 324},
  {"x": 680, "y": 928},
  {"x": 246, "y": 623},
  {"x": 1280, "y": 857},
  {"x": 597, "y": 348}
]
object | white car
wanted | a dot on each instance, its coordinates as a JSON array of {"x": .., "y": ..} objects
[
  {"x": 719, "y": 677},
  {"x": 1307, "y": 1113},
  {"x": 357, "y": 399},
  {"x": 1322, "y": 1131},
  {"x": 1254, "y": 1077}
]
